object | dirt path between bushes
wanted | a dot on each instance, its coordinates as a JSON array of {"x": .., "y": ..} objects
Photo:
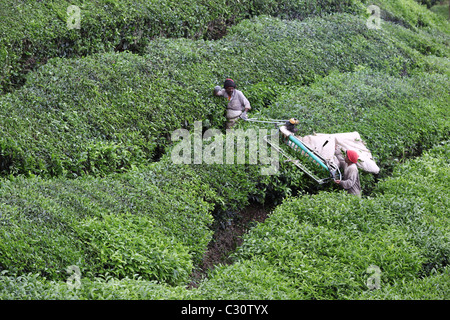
[{"x": 226, "y": 240}]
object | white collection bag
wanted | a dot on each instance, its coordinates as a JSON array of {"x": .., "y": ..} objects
[{"x": 327, "y": 144}]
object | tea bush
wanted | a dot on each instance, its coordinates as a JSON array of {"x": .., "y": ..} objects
[
  {"x": 324, "y": 245},
  {"x": 33, "y": 287},
  {"x": 128, "y": 245},
  {"x": 247, "y": 279},
  {"x": 131, "y": 222},
  {"x": 441, "y": 10},
  {"x": 246, "y": 274},
  {"x": 70, "y": 126},
  {"x": 433, "y": 287},
  {"x": 34, "y": 31},
  {"x": 110, "y": 225},
  {"x": 325, "y": 262},
  {"x": 110, "y": 112},
  {"x": 148, "y": 226},
  {"x": 418, "y": 188},
  {"x": 410, "y": 14},
  {"x": 428, "y": 3},
  {"x": 396, "y": 117}
]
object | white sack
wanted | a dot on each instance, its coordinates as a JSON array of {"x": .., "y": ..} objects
[{"x": 326, "y": 145}]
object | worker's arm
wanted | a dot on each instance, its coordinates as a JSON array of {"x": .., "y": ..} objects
[
  {"x": 244, "y": 102},
  {"x": 218, "y": 91},
  {"x": 351, "y": 177}
]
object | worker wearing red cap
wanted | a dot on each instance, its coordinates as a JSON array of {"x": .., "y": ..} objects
[
  {"x": 350, "y": 181},
  {"x": 238, "y": 105}
]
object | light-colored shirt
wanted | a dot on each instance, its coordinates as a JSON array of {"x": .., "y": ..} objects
[
  {"x": 350, "y": 178},
  {"x": 237, "y": 101}
]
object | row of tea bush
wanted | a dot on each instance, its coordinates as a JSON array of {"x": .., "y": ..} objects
[
  {"x": 328, "y": 245},
  {"x": 68, "y": 213},
  {"x": 109, "y": 112},
  {"x": 135, "y": 223},
  {"x": 32, "y": 32},
  {"x": 379, "y": 104},
  {"x": 393, "y": 245}
]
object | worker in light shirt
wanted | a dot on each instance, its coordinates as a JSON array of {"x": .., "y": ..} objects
[
  {"x": 238, "y": 105},
  {"x": 350, "y": 178}
]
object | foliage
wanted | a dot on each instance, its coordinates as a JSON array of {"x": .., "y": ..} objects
[
  {"x": 429, "y": 3},
  {"x": 131, "y": 245},
  {"x": 47, "y": 225},
  {"x": 418, "y": 189},
  {"x": 313, "y": 247},
  {"x": 324, "y": 244},
  {"x": 396, "y": 117},
  {"x": 44, "y": 31},
  {"x": 410, "y": 14},
  {"x": 136, "y": 224},
  {"x": 33, "y": 287},
  {"x": 441, "y": 10},
  {"x": 247, "y": 279},
  {"x": 433, "y": 287},
  {"x": 111, "y": 112}
]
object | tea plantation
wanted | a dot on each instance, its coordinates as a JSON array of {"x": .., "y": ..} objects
[{"x": 87, "y": 181}]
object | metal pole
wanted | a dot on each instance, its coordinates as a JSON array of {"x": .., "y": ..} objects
[{"x": 312, "y": 155}]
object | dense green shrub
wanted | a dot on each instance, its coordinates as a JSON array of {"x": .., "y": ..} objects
[
  {"x": 247, "y": 280},
  {"x": 72, "y": 112},
  {"x": 441, "y": 10},
  {"x": 311, "y": 247},
  {"x": 129, "y": 244},
  {"x": 89, "y": 219},
  {"x": 246, "y": 276},
  {"x": 47, "y": 225},
  {"x": 109, "y": 112},
  {"x": 33, "y": 287},
  {"x": 428, "y": 3},
  {"x": 418, "y": 189},
  {"x": 396, "y": 117},
  {"x": 34, "y": 31},
  {"x": 114, "y": 112},
  {"x": 433, "y": 287},
  {"x": 324, "y": 261},
  {"x": 411, "y": 14},
  {"x": 325, "y": 244},
  {"x": 427, "y": 43}
]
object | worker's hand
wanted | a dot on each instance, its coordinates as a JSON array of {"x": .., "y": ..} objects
[
  {"x": 337, "y": 181},
  {"x": 217, "y": 89}
]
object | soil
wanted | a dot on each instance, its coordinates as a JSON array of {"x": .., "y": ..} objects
[{"x": 226, "y": 240}]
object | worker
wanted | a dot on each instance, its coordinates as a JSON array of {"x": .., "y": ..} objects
[
  {"x": 238, "y": 105},
  {"x": 350, "y": 181}
]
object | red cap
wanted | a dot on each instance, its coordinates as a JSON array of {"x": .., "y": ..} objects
[{"x": 352, "y": 156}]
